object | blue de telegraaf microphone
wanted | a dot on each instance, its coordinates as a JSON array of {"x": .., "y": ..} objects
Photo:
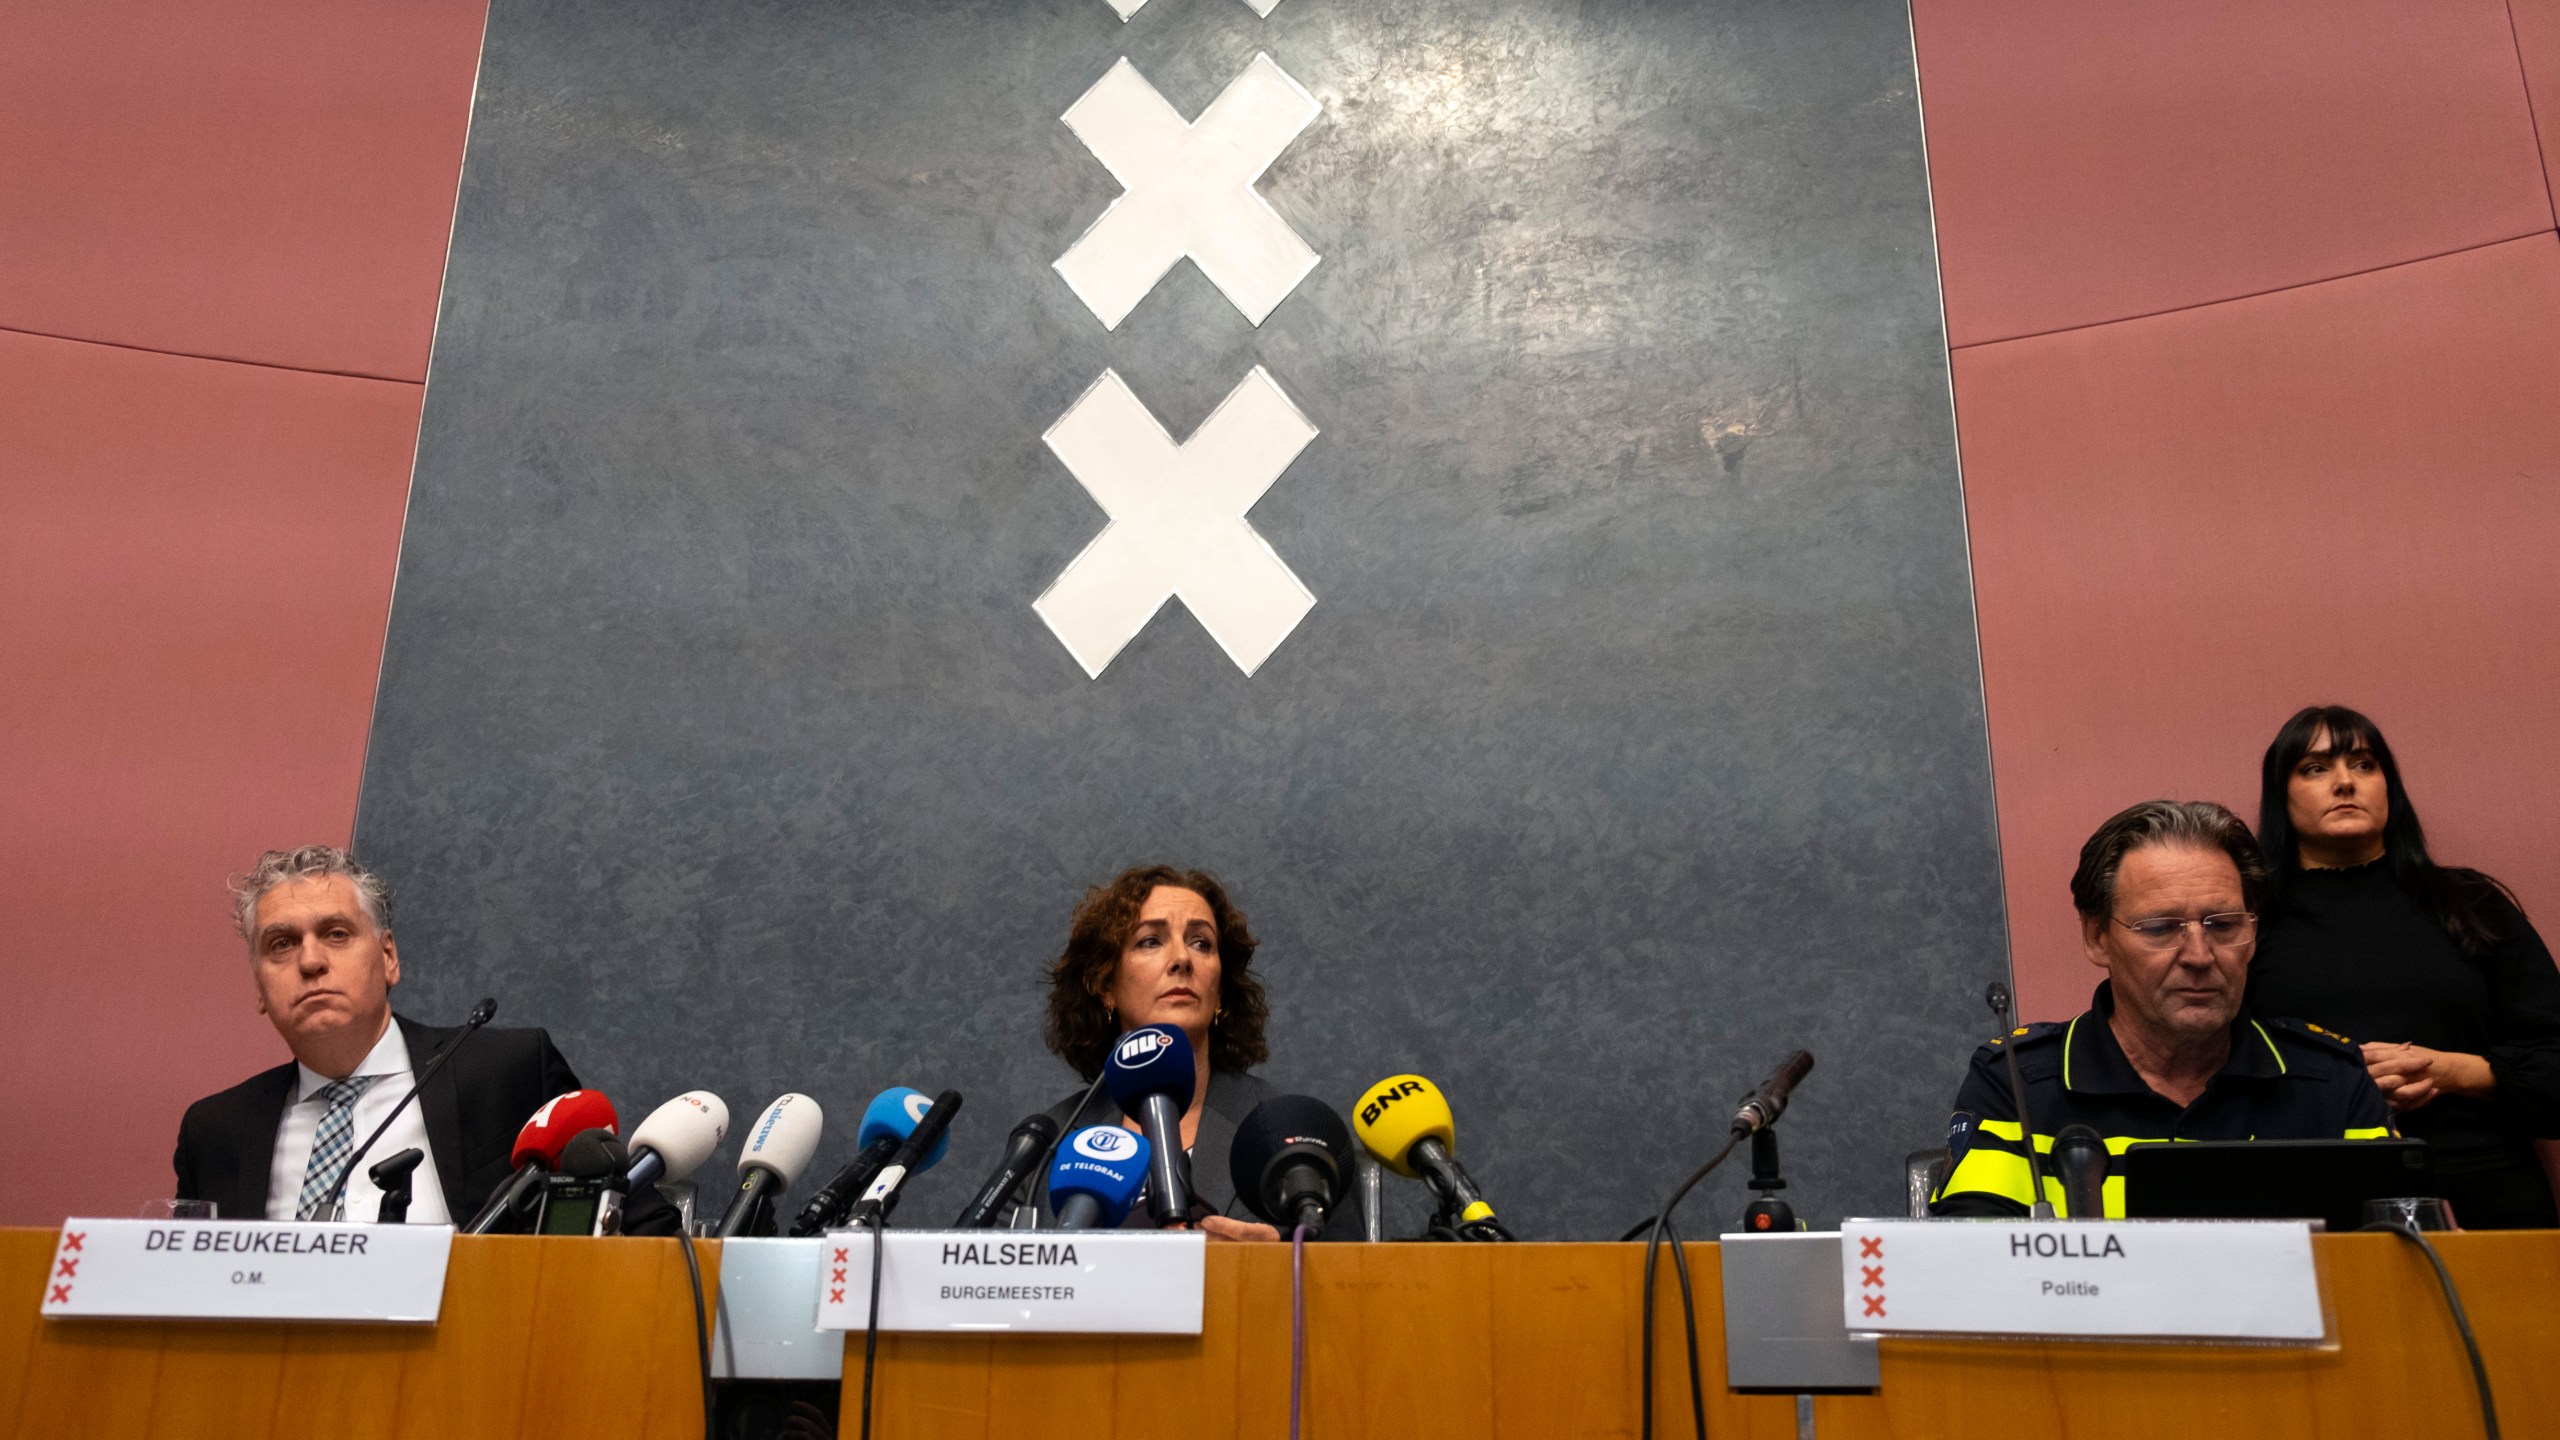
[
  {"x": 1150, "y": 1075},
  {"x": 891, "y": 1117},
  {"x": 1097, "y": 1177}
]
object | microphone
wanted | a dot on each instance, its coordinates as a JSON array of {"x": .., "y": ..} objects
[
  {"x": 2080, "y": 1159},
  {"x": 1762, "y": 1107},
  {"x": 777, "y": 1150},
  {"x": 1997, "y": 997},
  {"x": 537, "y": 1149},
  {"x": 886, "y": 1123},
  {"x": 481, "y": 1014},
  {"x": 1022, "y": 1151},
  {"x": 1151, "y": 1077},
  {"x": 1289, "y": 1161},
  {"x": 1404, "y": 1120},
  {"x": 1096, "y": 1178},
  {"x": 572, "y": 1196},
  {"x": 930, "y": 1136},
  {"x": 391, "y": 1177},
  {"x": 676, "y": 1138}
]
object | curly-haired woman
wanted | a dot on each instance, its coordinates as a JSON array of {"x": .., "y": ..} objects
[{"x": 1157, "y": 945}]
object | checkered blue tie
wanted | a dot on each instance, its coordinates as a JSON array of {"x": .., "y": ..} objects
[{"x": 332, "y": 1147}]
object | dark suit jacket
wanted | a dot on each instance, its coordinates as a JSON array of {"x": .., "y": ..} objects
[
  {"x": 1232, "y": 1096},
  {"x": 473, "y": 1108}
]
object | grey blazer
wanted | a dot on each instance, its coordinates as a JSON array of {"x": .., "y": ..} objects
[{"x": 1232, "y": 1096}]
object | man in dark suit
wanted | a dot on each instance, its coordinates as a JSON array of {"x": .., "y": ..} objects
[{"x": 324, "y": 962}]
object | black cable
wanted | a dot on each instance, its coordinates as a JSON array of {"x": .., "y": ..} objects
[
  {"x": 1689, "y": 1320},
  {"x": 2408, "y": 1230},
  {"x": 871, "y": 1332},
  {"x": 701, "y": 1327},
  {"x": 1652, "y": 1247}
]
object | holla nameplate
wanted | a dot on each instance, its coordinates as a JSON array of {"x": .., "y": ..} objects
[
  {"x": 2160, "y": 1279},
  {"x": 1087, "y": 1281},
  {"x": 247, "y": 1270}
]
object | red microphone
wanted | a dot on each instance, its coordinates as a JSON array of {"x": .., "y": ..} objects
[{"x": 538, "y": 1147}]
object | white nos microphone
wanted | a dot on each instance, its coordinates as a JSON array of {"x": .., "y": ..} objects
[
  {"x": 777, "y": 1150},
  {"x": 676, "y": 1138}
]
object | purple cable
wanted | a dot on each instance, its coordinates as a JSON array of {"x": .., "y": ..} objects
[{"x": 1297, "y": 1322}]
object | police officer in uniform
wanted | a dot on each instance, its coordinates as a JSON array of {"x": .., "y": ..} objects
[{"x": 2168, "y": 893}]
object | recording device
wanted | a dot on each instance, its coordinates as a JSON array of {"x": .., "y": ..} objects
[
  {"x": 2080, "y": 1161},
  {"x": 391, "y": 1176},
  {"x": 676, "y": 1138},
  {"x": 886, "y": 1123},
  {"x": 1997, "y": 997},
  {"x": 930, "y": 1137},
  {"x": 1153, "y": 1079},
  {"x": 1404, "y": 1120},
  {"x": 537, "y": 1150},
  {"x": 1096, "y": 1178},
  {"x": 1022, "y": 1151},
  {"x": 572, "y": 1195},
  {"x": 777, "y": 1150},
  {"x": 481, "y": 1014},
  {"x": 1762, "y": 1107},
  {"x": 1291, "y": 1161}
]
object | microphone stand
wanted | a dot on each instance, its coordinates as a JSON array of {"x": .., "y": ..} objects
[
  {"x": 481, "y": 1014},
  {"x": 2038, "y": 1207}
]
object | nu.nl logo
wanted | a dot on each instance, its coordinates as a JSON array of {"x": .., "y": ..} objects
[{"x": 1140, "y": 1046}]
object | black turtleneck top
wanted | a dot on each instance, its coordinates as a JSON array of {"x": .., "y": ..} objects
[{"x": 2351, "y": 951}]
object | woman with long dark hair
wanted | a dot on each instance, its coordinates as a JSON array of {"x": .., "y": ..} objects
[{"x": 2434, "y": 968}]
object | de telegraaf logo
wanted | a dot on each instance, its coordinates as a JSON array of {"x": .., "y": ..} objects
[{"x": 1105, "y": 1142}]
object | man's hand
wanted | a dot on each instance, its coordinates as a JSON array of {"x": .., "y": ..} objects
[
  {"x": 1219, "y": 1227},
  {"x": 2412, "y": 1075}
]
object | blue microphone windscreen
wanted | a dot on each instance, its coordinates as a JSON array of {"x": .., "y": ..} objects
[
  {"x": 894, "y": 1114},
  {"x": 1152, "y": 1059},
  {"x": 1105, "y": 1162}
]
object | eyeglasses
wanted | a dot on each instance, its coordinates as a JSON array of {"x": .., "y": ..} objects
[{"x": 2227, "y": 931}]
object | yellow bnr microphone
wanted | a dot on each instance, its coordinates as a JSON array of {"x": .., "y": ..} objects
[{"x": 1404, "y": 1121}]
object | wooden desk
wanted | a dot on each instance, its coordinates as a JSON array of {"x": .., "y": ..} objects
[{"x": 1527, "y": 1341}]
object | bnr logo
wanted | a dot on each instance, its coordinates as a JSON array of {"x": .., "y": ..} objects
[
  {"x": 918, "y": 1103},
  {"x": 1379, "y": 1102},
  {"x": 1141, "y": 1046},
  {"x": 1104, "y": 1142}
]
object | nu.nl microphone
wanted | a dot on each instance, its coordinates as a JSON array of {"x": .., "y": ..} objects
[
  {"x": 1022, "y": 1151},
  {"x": 2080, "y": 1162},
  {"x": 1291, "y": 1160},
  {"x": 1404, "y": 1120},
  {"x": 676, "y": 1138},
  {"x": 929, "y": 1140},
  {"x": 890, "y": 1118},
  {"x": 1762, "y": 1107},
  {"x": 537, "y": 1150},
  {"x": 481, "y": 1014},
  {"x": 777, "y": 1150},
  {"x": 1153, "y": 1079},
  {"x": 1096, "y": 1178}
]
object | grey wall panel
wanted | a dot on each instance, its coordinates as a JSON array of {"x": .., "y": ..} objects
[{"x": 1636, "y": 736}]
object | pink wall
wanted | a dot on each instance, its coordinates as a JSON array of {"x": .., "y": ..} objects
[
  {"x": 2255, "y": 311},
  {"x": 219, "y": 265}
]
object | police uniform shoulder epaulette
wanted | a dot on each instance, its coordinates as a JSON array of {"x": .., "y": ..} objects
[
  {"x": 2326, "y": 1039},
  {"x": 2026, "y": 1036}
]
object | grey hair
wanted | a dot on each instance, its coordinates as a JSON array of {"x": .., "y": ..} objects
[
  {"x": 2199, "y": 823},
  {"x": 311, "y": 862}
]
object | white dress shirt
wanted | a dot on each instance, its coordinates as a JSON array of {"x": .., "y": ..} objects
[{"x": 390, "y": 1060}]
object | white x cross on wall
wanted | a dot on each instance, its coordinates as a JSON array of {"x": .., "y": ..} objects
[
  {"x": 1177, "y": 522},
  {"x": 1190, "y": 191}
]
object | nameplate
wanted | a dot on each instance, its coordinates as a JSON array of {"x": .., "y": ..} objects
[
  {"x": 2161, "y": 1279},
  {"x": 1055, "y": 1281},
  {"x": 246, "y": 1270}
]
